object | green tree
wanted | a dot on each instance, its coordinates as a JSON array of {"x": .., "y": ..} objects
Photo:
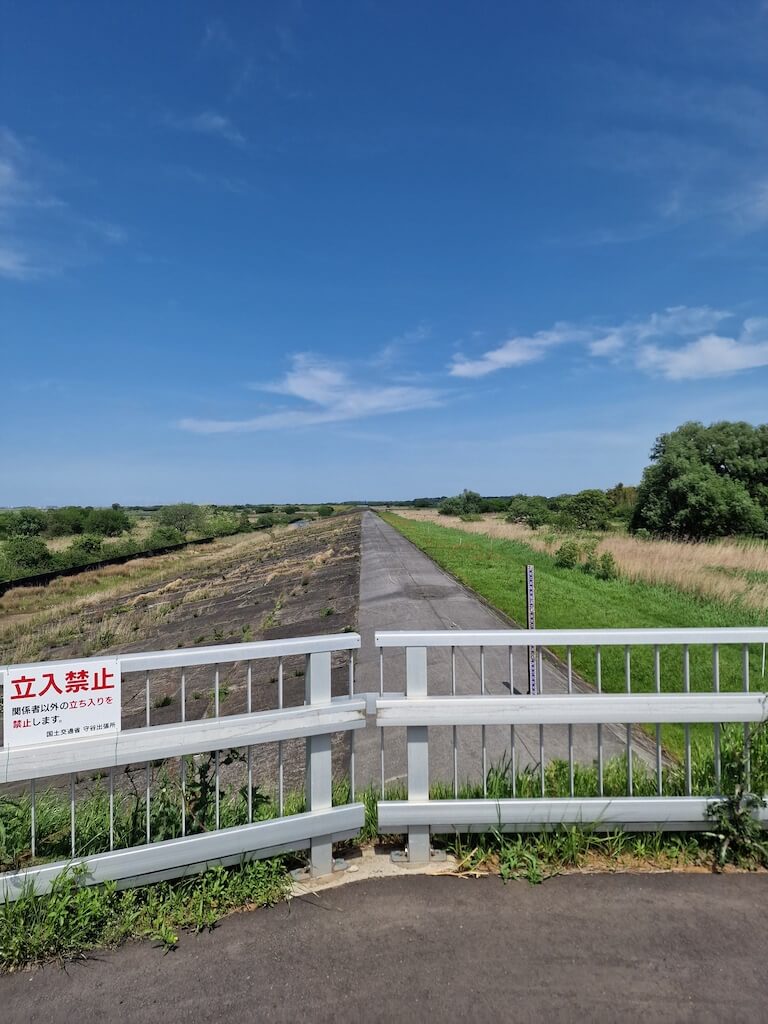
[
  {"x": 622, "y": 500},
  {"x": 325, "y": 510},
  {"x": 529, "y": 509},
  {"x": 587, "y": 510},
  {"x": 163, "y": 537},
  {"x": 107, "y": 522},
  {"x": 27, "y": 522},
  {"x": 465, "y": 504},
  {"x": 27, "y": 555},
  {"x": 183, "y": 516},
  {"x": 70, "y": 519},
  {"x": 706, "y": 482}
]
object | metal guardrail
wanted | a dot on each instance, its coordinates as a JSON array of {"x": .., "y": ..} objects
[
  {"x": 419, "y": 710},
  {"x": 677, "y": 700},
  {"x": 316, "y": 829}
]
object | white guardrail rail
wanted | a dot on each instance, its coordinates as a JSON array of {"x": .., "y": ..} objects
[
  {"x": 681, "y": 678},
  {"x": 569, "y": 703},
  {"x": 314, "y": 722}
]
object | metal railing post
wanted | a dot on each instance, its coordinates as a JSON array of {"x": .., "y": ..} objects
[
  {"x": 418, "y": 753},
  {"x": 319, "y": 776}
]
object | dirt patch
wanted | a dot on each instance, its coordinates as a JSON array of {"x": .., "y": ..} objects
[{"x": 294, "y": 581}]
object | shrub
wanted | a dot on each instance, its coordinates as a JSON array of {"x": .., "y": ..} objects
[
  {"x": 531, "y": 510},
  {"x": 325, "y": 510},
  {"x": 606, "y": 567},
  {"x": 106, "y": 522},
  {"x": 182, "y": 516},
  {"x": 163, "y": 537},
  {"x": 28, "y": 555},
  {"x": 568, "y": 555},
  {"x": 62, "y": 522},
  {"x": 86, "y": 548},
  {"x": 465, "y": 504},
  {"x": 26, "y": 522}
]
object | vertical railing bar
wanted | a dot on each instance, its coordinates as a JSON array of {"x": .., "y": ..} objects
[
  {"x": 280, "y": 772},
  {"x": 512, "y": 750},
  {"x": 32, "y": 819},
  {"x": 716, "y": 725},
  {"x": 747, "y": 745},
  {"x": 628, "y": 687},
  {"x": 599, "y": 684},
  {"x": 687, "y": 728},
  {"x": 216, "y": 759},
  {"x": 148, "y": 769},
  {"x": 72, "y": 811},
  {"x": 417, "y": 750},
  {"x": 249, "y": 751},
  {"x": 183, "y": 764},
  {"x": 569, "y": 654},
  {"x": 540, "y": 660},
  {"x": 455, "y": 731},
  {"x": 482, "y": 728},
  {"x": 657, "y": 688},
  {"x": 111, "y": 809},
  {"x": 352, "y": 732},
  {"x": 381, "y": 731}
]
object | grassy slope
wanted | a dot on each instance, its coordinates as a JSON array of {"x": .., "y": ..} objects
[{"x": 569, "y": 598}]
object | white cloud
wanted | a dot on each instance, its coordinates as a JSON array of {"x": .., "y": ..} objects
[
  {"x": 712, "y": 355},
  {"x": 40, "y": 233},
  {"x": 16, "y": 264},
  {"x": 392, "y": 351},
  {"x": 679, "y": 343},
  {"x": 208, "y": 123},
  {"x": 517, "y": 351},
  {"x": 328, "y": 395}
]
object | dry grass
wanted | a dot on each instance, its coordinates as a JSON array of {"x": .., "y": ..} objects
[
  {"x": 139, "y": 533},
  {"x": 34, "y": 618},
  {"x": 728, "y": 570}
]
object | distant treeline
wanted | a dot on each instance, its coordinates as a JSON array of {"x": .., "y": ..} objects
[
  {"x": 105, "y": 535},
  {"x": 703, "y": 482},
  {"x": 591, "y": 509}
]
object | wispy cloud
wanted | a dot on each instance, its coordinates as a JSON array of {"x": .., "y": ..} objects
[
  {"x": 208, "y": 122},
  {"x": 712, "y": 355},
  {"x": 41, "y": 233},
  {"x": 695, "y": 144},
  {"x": 325, "y": 393},
  {"x": 679, "y": 343},
  {"x": 517, "y": 351},
  {"x": 391, "y": 353}
]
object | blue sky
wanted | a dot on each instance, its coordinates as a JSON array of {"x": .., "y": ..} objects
[{"x": 316, "y": 251}]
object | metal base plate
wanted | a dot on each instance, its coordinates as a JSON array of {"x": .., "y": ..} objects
[
  {"x": 305, "y": 873},
  {"x": 402, "y": 856}
]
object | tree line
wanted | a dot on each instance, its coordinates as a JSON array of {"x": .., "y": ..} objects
[
  {"x": 703, "y": 482},
  {"x": 102, "y": 533}
]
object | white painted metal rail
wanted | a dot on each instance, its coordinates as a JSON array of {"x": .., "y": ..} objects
[
  {"x": 670, "y": 683},
  {"x": 694, "y": 692},
  {"x": 314, "y": 723}
]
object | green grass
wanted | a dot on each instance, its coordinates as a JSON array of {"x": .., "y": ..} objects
[
  {"x": 73, "y": 918},
  {"x": 571, "y": 599}
]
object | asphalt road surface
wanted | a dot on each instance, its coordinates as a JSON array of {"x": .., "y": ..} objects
[
  {"x": 650, "y": 948},
  {"x": 401, "y": 588}
]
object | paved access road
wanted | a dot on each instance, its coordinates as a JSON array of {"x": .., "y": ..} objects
[
  {"x": 604, "y": 948},
  {"x": 401, "y": 588}
]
